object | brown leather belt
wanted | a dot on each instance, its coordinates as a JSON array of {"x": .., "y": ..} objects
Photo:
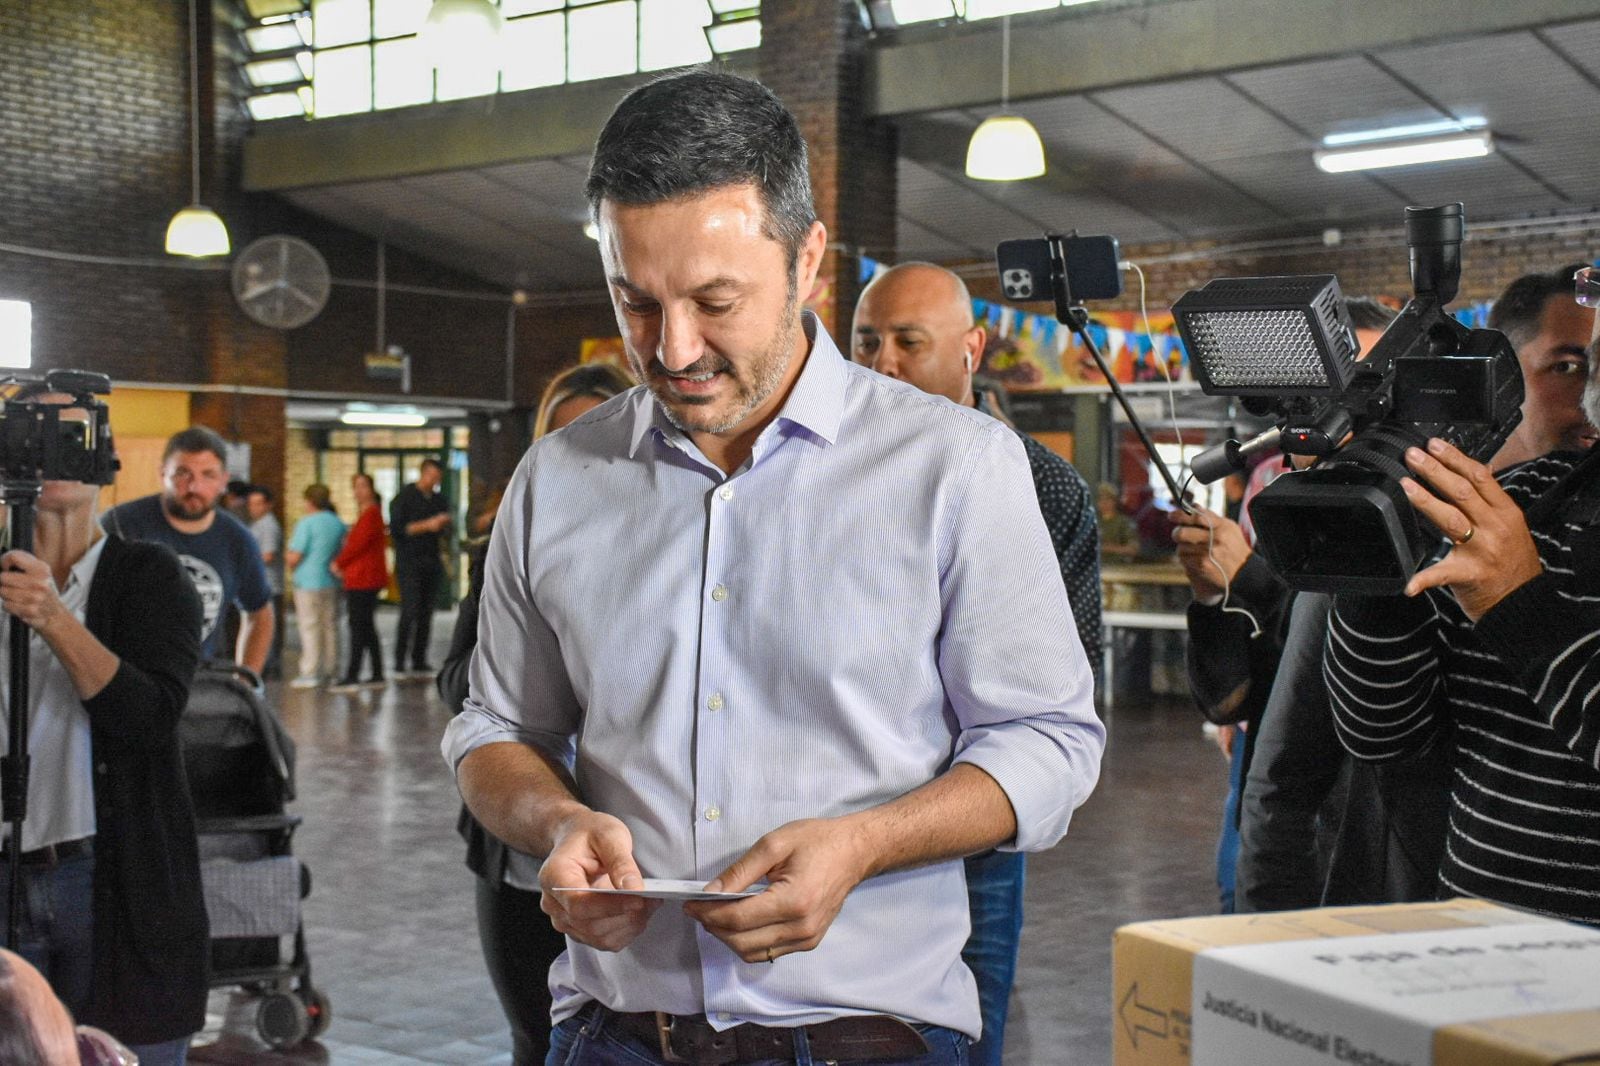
[
  {"x": 52, "y": 854},
  {"x": 690, "y": 1039}
]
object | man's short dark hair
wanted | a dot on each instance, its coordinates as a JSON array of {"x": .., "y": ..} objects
[
  {"x": 19, "y": 1041},
  {"x": 1367, "y": 313},
  {"x": 197, "y": 439},
  {"x": 436, "y": 464},
  {"x": 1518, "y": 310},
  {"x": 691, "y": 133},
  {"x": 259, "y": 490}
]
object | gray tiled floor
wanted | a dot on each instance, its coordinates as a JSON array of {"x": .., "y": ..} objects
[{"x": 393, "y": 942}]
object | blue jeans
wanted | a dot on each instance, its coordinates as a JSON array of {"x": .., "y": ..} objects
[
  {"x": 1228, "y": 842},
  {"x": 589, "y": 1038},
  {"x": 57, "y": 929},
  {"x": 171, "y": 1053},
  {"x": 57, "y": 936},
  {"x": 994, "y": 898}
]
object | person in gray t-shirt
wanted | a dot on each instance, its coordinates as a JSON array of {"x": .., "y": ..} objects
[{"x": 268, "y": 532}]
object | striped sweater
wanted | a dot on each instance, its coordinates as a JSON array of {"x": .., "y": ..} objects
[{"x": 1521, "y": 691}]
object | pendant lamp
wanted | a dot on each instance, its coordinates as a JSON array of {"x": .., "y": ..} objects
[
  {"x": 196, "y": 230},
  {"x": 1005, "y": 147},
  {"x": 460, "y": 32}
]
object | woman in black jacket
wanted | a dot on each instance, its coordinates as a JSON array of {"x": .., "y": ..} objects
[
  {"x": 519, "y": 943},
  {"x": 110, "y": 836}
]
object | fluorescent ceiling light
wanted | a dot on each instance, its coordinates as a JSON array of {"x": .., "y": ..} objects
[
  {"x": 370, "y": 415},
  {"x": 1410, "y": 153},
  {"x": 1396, "y": 133}
]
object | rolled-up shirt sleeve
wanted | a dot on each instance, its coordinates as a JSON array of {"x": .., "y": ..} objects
[
  {"x": 1014, "y": 670},
  {"x": 518, "y": 687}
]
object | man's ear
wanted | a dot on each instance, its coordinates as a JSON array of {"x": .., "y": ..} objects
[
  {"x": 974, "y": 340},
  {"x": 809, "y": 260}
]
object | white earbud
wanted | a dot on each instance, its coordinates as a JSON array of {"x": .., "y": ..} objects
[{"x": 969, "y": 362}]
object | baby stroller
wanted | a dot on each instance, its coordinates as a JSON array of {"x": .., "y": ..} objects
[{"x": 240, "y": 765}]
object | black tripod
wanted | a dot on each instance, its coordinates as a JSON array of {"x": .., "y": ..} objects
[{"x": 20, "y": 498}]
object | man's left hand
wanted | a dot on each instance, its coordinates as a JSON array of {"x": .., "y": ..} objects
[
  {"x": 28, "y": 590},
  {"x": 811, "y": 866},
  {"x": 1494, "y": 553}
]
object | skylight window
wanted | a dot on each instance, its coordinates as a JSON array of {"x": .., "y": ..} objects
[{"x": 362, "y": 55}]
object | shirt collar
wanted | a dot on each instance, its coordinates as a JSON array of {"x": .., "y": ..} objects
[
  {"x": 815, "y": 404},
  {"x": 82, "y": 571}
]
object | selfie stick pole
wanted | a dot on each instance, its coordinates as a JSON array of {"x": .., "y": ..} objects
[
  {"x": 1077, "y": 320},
  {"x": 19, "y": 499}
]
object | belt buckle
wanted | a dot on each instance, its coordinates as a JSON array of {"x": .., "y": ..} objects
[{"x": 664, "y": 1027}]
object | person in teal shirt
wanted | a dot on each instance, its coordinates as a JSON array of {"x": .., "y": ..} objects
[{"x": 316, "y": 540}]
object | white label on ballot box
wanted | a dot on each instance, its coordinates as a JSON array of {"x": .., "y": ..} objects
[{"x": 1376, "y": 1000}]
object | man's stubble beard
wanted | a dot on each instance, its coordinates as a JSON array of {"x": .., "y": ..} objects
[
  {"x": 175, "y": 509},
  {"x": 768, "y": 370}
]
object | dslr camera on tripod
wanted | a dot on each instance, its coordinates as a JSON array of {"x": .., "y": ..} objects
[
  {"x": 1285, "y": 346},
  {"x": 37, "y": 444}
]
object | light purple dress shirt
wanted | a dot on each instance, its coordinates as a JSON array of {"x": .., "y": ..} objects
[{"x": 870, "y": 596}]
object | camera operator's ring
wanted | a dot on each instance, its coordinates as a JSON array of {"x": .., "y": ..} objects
[{"x": 1466, "y": 536}]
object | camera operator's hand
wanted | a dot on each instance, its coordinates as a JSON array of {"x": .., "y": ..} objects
[
  {"x": 28, "y": 591},
  {"x": 1211, "y": 549},
  {"x": 1494, "y": 552}
]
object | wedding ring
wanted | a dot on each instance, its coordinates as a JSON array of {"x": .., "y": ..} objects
[{"x": 1466, "y": 536}]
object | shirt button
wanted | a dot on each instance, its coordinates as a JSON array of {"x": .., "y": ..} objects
[
  {"x": 714, "y": 703},
  {"x": 100, "y": 768},
  {"x": 726, "y": 492},
  {"x": 719, "y": 593},
  {"x": 712, "y": 814}
]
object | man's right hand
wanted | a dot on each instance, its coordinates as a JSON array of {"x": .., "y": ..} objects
[
  {"x": 1205, "y": 536},
  {"x": 594, "y": 850}
]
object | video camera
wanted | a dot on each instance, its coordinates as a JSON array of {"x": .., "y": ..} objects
[
  {"x": 37, "y": 444},
  {"x": 1285, "y": 345}
]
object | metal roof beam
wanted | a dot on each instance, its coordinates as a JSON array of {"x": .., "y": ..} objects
[{"x": 1090, "y": 48}]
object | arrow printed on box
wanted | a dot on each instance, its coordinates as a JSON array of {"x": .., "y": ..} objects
[{"x": 1141, "y": 1019}]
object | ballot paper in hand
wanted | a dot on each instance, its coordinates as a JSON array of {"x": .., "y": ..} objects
[{"x": 668, "y": 888}]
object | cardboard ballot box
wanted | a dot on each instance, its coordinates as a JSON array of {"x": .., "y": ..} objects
[{"x": 1455, "y": 983}]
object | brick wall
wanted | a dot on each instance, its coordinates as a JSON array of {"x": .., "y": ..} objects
[
  {"x": 812, "y": 55},
  {"x": 94, "y": 160},
  {"x": 1369, "y": 262}
]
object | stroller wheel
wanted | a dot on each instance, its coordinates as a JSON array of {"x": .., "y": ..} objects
[
  {"x": 318, "y": 1010},
  {"x": 281, "y": 1020}
]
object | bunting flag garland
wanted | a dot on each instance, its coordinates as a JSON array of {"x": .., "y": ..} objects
[{"x": 1029, "y": 351}]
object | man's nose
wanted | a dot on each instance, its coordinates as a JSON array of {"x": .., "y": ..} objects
[
  {"x": 886, "y": 362},
  {"x": 680, "y": 343}
]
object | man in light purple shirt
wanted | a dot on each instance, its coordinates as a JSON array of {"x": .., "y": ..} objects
[{"x": 772, "y": 621}]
